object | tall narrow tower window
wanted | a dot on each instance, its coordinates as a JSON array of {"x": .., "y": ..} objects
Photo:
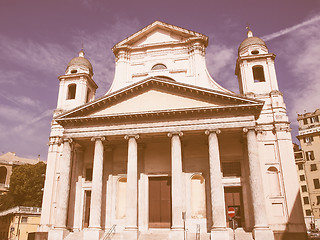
[
  {"x": 72, "y": 91},
  {"x": 3, "y": 175},
  {"x": 159, "y": 66},
  {"x": 258, "y": 73}
]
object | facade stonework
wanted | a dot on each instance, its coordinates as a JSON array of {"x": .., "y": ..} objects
[{"x": 168, "y": 149}]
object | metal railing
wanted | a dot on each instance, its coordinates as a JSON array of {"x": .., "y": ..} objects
[{"x": 108, "y": 234}]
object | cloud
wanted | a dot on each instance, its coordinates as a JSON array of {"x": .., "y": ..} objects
[
  {"x": 45, "y": 57},
  {"x": 221, "y": 63},
  {"x": 97, "y": 47},
  {"x": 302, "y": 56},
  {"x": 291, "y": 29}
]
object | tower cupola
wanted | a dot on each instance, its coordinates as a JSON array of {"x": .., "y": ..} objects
[
  {"x": 79, "y": 65},
  {"x": 252, "y": 46}
]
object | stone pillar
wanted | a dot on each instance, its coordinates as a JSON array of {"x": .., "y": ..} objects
[
  {"x": 219, "y": 226},
  {"x": 48, "y": 193},
  {"x": 78, "y": 209},
  {"x": 132, "y": 183},
  {"x": 261, "y": 229},
  {"x": 176, "y": 180},
  {"x": 64, "y": 185},
  {"x": 96, "y": 190}
]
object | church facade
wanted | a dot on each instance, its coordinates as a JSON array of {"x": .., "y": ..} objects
[{"x": 167, "y": 149}]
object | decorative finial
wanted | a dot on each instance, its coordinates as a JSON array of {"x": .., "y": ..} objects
[
  {"x": 81, "y": 53},
  {"x": 249, "y": 33}
]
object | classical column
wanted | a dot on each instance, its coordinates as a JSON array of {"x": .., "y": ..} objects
[
  {"x": 261, "y": 228},
  {"x": 49, "y": 184},
  {"x": 64, "y": 185},
  {"x": 176, "y": 180},
  {"x": 132, "y": 183},
  {"x": 217, "y": 192},
  {"x": 96, "y": 190}
]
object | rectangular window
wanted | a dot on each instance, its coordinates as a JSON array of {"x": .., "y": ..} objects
[
  {"x": 308, "y": 212},
  {"x": 316, "y": 183},
  {"x": 305, "y": 121},
  {"x": 313, "y": 167},
  {"x": 305, "y": 200},
  {"x": 302, "y": 178},
  {"x": 314, "y": 119},
  {"x": 304, "y": 188},
  {"x": 300, "y": 166},
  {"x": 89, "y": 174},
  {"x": 309, "y": 155},
  {"x": 318, "y": 200},
  {"x": 231, "y": 169},
  {"x": 308, "y": 139}
]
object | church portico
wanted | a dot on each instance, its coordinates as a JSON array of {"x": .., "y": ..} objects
[{"x": 167, "y": 149}]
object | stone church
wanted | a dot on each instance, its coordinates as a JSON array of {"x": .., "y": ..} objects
[{"x": 167, "y": 151}]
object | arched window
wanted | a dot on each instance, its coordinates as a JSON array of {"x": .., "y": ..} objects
[
  {"x": 121, "y": 198},
  {"x": 258, "y": 73},
  {"x": 159, "y": 66},
  {"x": 3, "y": 175},
  {"x": 72, "y": 91},
  {"x": 198, "y": 196},
  {"x": 274, "y": 183}
]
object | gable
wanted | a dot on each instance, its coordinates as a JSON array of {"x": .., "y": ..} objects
[
  {"x": 153, "y": 100},
  {"x": 159, "y": 32},
  {"x": 155, "y": 95},
  {"x": 158, "y": 36}
]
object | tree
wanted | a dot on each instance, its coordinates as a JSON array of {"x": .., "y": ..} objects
[{"x": 26, "y": 186}]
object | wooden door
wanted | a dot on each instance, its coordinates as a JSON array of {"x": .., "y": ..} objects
[
  {"x": 159, "y": 202},
  {"x": 233, "y": 198}
]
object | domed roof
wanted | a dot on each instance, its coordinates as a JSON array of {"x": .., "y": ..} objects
[
  {"x": 80, "y": 60},
  {"x": 251, "y": 40}
]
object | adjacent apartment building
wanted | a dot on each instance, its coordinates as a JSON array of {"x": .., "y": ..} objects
[{"x": 308, "y": 165}]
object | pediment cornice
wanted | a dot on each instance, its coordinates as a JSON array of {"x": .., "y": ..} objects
[{"x": 232, "y": 103}]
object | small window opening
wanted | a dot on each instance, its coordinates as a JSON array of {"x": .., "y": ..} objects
[
  {"x": 313, "y": 167},
  {"x": 3, "y": 175},
  {"x": 305, "y": 121},
  {"x": 73, "y": 71},
  {"x": 255, "y": 52},
  {"x": 159, "y": 66},
  {"x": 258, "y": 73},
  {"x": 72, "y": 91}
]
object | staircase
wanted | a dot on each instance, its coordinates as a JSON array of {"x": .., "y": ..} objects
[
  {"x": 241, "y": 235},
  {"x": 74, "y": 236}
]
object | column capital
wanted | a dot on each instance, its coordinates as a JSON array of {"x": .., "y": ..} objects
[
  {"x": 93, "y": 139},
  {"x": 54, "y": 140},
  {"x": 65, "y": 139},
  {"x": 128, "y": 136},
  {"x": 247, "y": 129},
  {"x": 179, "y": 133},
  {"x": 216, "y": 131}
]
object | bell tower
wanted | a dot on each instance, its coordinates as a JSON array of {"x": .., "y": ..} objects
[
  {"x": 255, "y": 67},
  {"x": 77, "y": 86}
]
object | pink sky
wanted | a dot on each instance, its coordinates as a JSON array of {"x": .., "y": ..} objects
[{"x": 39, "y": 37}]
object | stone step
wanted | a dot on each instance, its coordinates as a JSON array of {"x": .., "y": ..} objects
[
  {"x": 74, "y": 236},
  {"x": 240, "y": 234}
]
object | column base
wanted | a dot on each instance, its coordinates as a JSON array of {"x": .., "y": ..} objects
[
  {"x": 92, "y": 234},
  {"x": 57, "y": 234},
  {"x": 262, "y": 234},
  {"x": 220, "y": 234},
  {"x": 176, "y": 233}
]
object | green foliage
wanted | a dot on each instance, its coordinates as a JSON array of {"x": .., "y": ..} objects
[{"x": 26, "y": 184}]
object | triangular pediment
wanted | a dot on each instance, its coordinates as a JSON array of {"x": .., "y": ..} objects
[
  {"x": 158, "y": 33},
  {"x": 157, "y": 96}
]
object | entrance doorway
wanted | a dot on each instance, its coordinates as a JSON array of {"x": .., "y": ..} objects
[
  {"x": 86, "y": 210},
  {"x": 159, "y": 202},
  {"x": 233, "y": 198}
]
